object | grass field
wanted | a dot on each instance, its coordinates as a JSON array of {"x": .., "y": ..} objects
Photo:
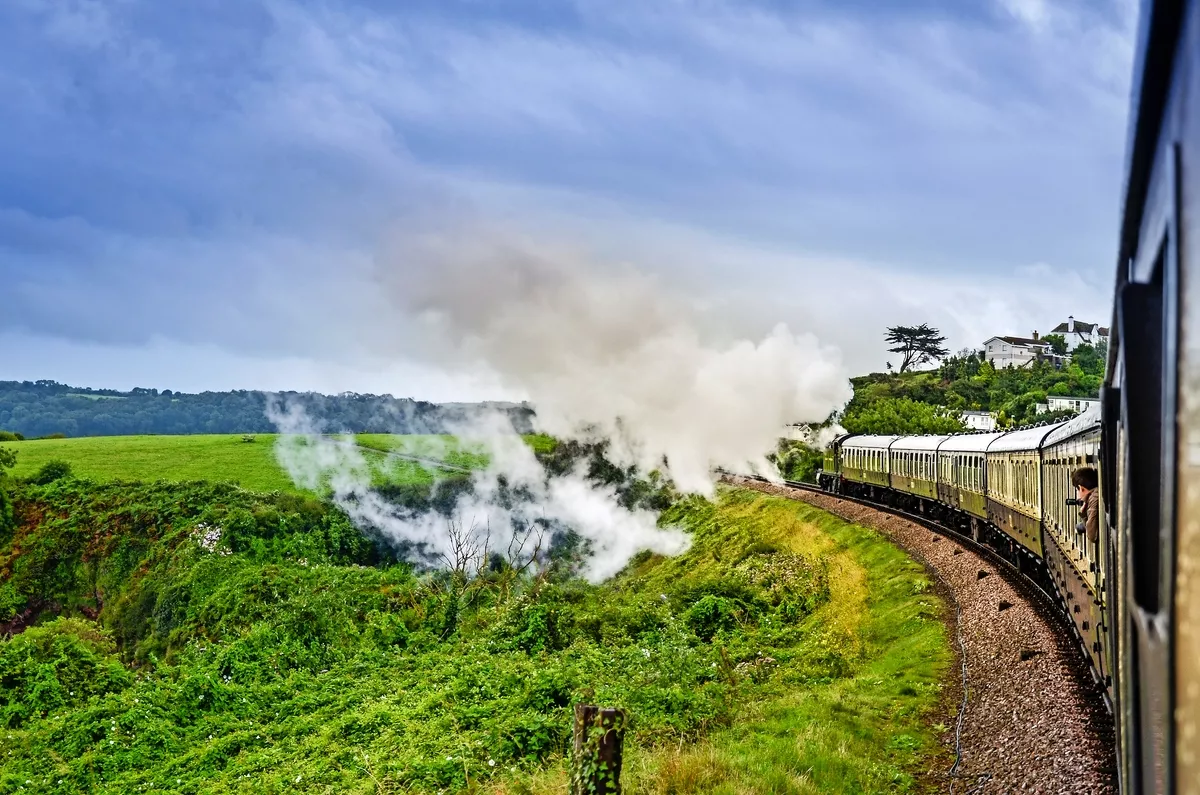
[{"x": 227, "y": 458}]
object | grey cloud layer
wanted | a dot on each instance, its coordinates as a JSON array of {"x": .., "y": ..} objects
[{"x": 228, "y": 177}]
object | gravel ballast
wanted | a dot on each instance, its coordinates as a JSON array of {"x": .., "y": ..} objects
[{"x": 1034, "y": 721}]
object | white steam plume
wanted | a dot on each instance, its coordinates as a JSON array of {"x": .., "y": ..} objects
[
  {"x": 616, "y": 534},
  {"x": 611, "y": 353}
]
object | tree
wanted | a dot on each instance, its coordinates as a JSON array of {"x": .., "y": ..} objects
[
  {"x": 1058, "y": 343},
  {"x": 917, "y": 344},
  {"x": 1088, "y": 359},
  {"x": 901, "y": 416}
]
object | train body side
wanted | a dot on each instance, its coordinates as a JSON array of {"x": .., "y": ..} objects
[
  {"x": 914, "y": 465},
  {"x": 1078, "y": 567},
  {"x": 1014, "y": 487},
  {"x": 962, "y": 480},
  {"x": 865, "y": 460}
]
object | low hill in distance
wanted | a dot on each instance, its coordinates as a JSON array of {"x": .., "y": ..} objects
[{"x": 42, "y": 408}]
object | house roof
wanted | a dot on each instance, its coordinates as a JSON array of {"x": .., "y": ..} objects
[
  {"x": 1020, "y": 341},
  {"x": 1081, "y": 328}
]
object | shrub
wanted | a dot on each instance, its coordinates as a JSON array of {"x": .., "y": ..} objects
[
  {"x": 56, "y": 665},
  {"x": 50, "y": 472}
]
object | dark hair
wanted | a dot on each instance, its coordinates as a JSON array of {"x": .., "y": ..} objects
[{"x": 1085, "y": 477}]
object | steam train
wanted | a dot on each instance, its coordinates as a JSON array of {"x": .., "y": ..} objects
[
  {"x": 1010, "y": 491},
  {"x": 1133, "y": 597}
]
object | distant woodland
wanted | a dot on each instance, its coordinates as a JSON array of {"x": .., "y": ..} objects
[{"x": 45, "y": 408}]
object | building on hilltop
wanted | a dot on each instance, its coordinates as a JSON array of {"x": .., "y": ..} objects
[
  {"x": 1076, "y": 332},
  {"x": 979, "y": 420},
  {"x": 1018, "y": 351},
  {"x": 1075, "y": 404}
]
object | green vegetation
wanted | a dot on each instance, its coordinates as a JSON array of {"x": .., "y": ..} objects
[
  {"x": 797, "y": 460},
  {"x": 148, "y": 458},
  {"x": 900, "y": 416},
  {"x": 8, "y": 459},
  {"x": 904, "y": 402},
  {"x": 201, "y": 638}
]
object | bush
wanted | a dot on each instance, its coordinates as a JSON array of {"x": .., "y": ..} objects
[
  {"x": 50, "y": 472},
  {"x": 9, "y": 436},
  {"x": 57, "y": 665}
]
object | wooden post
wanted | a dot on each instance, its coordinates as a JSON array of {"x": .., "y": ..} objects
[{"x": 596, "y": 761}]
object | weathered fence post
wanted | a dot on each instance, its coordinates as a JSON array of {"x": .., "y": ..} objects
[{"x": 596, "y": 761}]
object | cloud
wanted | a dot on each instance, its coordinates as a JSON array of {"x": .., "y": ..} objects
[{"x": 226, "y": 176}]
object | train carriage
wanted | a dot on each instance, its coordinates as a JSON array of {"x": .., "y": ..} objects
[
  {"x": 1014, "y": 486},
  {"x": 914, "y": 465},
  {"x": 866, "y": 462},
  {"x": 962, "y": 476},
  {"x": 1077, "y": 567}
]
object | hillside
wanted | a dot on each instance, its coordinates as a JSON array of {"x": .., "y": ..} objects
[
  {"x": 43, "y": 408},
  {"x": 896, "y": 402},
  {"x": 201, "y": 639}
]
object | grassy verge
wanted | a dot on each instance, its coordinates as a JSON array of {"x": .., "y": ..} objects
[{"x": 866, "y": 728}]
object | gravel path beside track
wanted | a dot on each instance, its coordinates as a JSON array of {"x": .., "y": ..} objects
[{"x": 1033, "y": 721}]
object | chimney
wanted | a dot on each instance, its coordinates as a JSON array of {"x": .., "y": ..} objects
[
  {"x": 1035, "y": 335},
  {"x": 1070, "y": 324}
]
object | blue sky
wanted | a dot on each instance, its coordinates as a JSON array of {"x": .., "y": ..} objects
[{"x": 192, "y": 195}]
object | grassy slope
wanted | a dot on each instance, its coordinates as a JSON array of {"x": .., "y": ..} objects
[
  {"x": 293, "y": 669},
  {"x": 865, "y": 731},
  {"x": 226, "y": 458}
]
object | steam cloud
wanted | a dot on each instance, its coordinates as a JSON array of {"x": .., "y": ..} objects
[
  {"x": 571, "y": 501},
  {"x": 612, "y": 354},
  {"x": 604, "y": 355}
]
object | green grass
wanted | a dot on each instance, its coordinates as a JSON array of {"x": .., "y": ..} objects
[
  {"x": 443, "y": 447},
  {"x": 227, "y": 458},
  {"x": 868, "y": 730},
  {"x": 223, "y": 458}
]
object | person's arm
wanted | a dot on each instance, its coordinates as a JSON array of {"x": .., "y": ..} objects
[{"x": 1093, "y": 516}]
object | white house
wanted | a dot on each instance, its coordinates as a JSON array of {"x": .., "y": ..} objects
[
  {"x": 1077, "y": 332},
  {"x": 1076, "y": 404},
  {"x": 979, "y": 420},
  {"x": 1015, "y": 351}
]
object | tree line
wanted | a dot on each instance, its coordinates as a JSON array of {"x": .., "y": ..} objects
[{"x": 46, "y": 408}]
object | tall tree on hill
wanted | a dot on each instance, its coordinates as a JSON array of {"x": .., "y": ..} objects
[
  {"x": 1058, "y": 343},
  {"x": 917, "y": 344}
]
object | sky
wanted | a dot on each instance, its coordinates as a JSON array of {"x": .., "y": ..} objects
[{"x": 202, "y": 195}]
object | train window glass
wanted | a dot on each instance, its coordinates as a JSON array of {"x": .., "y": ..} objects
[{"x": 1145, "y": 327}]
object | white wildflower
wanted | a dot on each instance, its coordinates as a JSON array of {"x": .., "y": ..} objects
[{"x": 208, "y": 537}]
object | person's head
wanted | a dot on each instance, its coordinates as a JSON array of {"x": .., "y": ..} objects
[{"x": 1084, "y": 480}]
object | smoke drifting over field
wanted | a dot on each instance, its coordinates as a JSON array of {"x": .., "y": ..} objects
[
  {"x": 487, "y": 518},
  {"x": 605, "y": 355},
  {"x": 612, "y": 353}
]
